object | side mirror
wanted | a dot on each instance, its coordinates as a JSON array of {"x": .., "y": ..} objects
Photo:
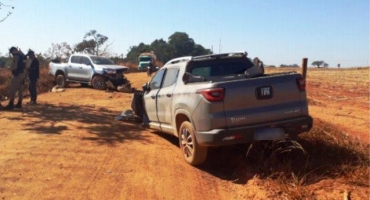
[{"x": 146, "y": 87}]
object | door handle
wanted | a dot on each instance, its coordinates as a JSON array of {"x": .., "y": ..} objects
[
  {"x": 169, "y": 95},
  {"x": 80, "y": 67},
  {"x": 153, "y": 97}
]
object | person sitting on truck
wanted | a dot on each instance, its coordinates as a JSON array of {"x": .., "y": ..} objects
[{"x": 259, "y": 63}]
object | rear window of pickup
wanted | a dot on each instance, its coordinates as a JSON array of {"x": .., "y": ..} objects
[{"x": 209, "y": 70}]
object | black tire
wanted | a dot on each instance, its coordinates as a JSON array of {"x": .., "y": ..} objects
[
  {"x": 61, "y": 81},
  {"x": 99, "y": 83},
  {"x": 192, "y": 152}
]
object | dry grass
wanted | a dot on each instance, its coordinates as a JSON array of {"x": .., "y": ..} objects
[
  {"x": 45, "y": 83},
  {"x": 323, "y": 153}
]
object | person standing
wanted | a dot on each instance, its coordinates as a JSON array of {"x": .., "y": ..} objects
[
  {"x": 33, "y": 76},
  {"x": 16, "y": 84}
]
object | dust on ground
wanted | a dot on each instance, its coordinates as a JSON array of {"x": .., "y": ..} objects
[{"x": 70, "y": 147}]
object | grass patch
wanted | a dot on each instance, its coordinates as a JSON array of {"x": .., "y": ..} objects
[
  {"x": 44, "y": 84},
  {"x": 324, "y": 153}
]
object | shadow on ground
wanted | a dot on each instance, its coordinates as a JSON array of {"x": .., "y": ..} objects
[
  {"x": 322, "y": 153},
  {"x": 98, "y": 122}
]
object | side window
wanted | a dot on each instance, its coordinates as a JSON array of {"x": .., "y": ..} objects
[
  {"x": 76, "y": 59},
  {"x": 170, "y": 77},
  {"x": 156, "y": 81},
  {"x": 85, "y": 61}
]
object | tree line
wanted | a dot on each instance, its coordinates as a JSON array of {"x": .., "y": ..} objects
[{"x": 179, "y": 44}]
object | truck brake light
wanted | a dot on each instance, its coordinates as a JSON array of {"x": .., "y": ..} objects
[
  {"x": 212, "y": 94},
  {"x": 301, "y": 83}
]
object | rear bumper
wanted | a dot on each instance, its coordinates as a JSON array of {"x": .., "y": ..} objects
[{"x": 219, "y": 137}]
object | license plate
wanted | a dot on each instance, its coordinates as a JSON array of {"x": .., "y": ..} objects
[
  {"x": 264, "y": 92},
  {"x": 269, "y": 134}
]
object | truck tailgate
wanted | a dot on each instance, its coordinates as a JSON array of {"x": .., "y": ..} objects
[{"x": 262, "y": 100}]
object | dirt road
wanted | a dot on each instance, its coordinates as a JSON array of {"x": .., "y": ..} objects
[{"x": 70, "y": 147}]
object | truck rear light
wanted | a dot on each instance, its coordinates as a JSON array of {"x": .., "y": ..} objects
[
  {"x": 233, "y": 137},
  {"x": 301, "y": 83},
  {"x": 301, "y": 127},
  {"x": 212, "y": 94}
]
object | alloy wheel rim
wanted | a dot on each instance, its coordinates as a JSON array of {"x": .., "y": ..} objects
[
  {"x": 98, "y": 83},
  {"x": 187, "y": 143}
]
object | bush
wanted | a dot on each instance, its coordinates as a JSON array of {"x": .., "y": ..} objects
[{"x": 44, "y": 84}]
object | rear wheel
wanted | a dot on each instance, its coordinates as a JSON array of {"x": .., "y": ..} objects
[
  {"x": 193, "y": 153},
  {"x": 61, "y": 81},
  {"x": 98, "y": 82}
]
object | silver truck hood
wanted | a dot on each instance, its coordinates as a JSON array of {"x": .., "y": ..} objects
[{"x": 115, "y": 67}]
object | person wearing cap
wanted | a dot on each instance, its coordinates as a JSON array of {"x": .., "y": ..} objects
[
  {"x": 16, "y": 84},
  {"x": 33, "y": 75}
]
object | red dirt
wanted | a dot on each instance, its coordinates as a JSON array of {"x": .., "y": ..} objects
[{"x": 70, "y": 147}]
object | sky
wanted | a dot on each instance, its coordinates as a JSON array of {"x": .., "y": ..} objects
[{"x": 276, "y": 31}]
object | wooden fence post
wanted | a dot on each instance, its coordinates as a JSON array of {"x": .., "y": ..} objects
[{"x": 304, "y": 67}]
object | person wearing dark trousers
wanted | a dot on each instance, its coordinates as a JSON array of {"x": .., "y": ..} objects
[
  {"x": 16, "y": 84},
  {"x": 33, "y": 76}
]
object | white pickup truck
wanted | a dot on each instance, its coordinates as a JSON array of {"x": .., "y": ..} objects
[
  {"x": 224, "y": 99},
  {"x": 99, "y": 72}
]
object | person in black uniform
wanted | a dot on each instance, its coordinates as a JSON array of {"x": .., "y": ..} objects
[{"x": 33, "y": 76}]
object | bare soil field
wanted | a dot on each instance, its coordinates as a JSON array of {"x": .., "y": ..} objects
[{"x": 69, "y": 146}]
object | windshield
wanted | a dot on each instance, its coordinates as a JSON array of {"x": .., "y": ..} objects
[
  {"x": 101, "y": 60},
  {"x": 145, "y": 59}
]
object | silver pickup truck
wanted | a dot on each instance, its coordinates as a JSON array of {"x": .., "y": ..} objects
[
  {"x": 224, "y": 99},
  {"x": 100, "y": 72}
]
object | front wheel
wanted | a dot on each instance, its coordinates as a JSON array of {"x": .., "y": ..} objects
[
  {"x": 192, "y": 152},
  {"x": 98, "y": 82},
  {"x": 61, "y": 81}
]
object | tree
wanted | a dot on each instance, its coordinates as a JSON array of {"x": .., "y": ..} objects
[
  {"x": 87, "y": 46},
  {"x": 289, "y": 66},
  {"x": 320, "y": 63},
  {"x": 135, "y": 51},
  {"x": 8, "y": 13},
  {"x": 58, "y": 51},
  {"x": 162, "y": 50},
  {"x": 200, "y": 50},
  {"x": 181, "y": 44},
  {"x": 4, "y": 61},
  {"x": 92, "y": 46}
]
